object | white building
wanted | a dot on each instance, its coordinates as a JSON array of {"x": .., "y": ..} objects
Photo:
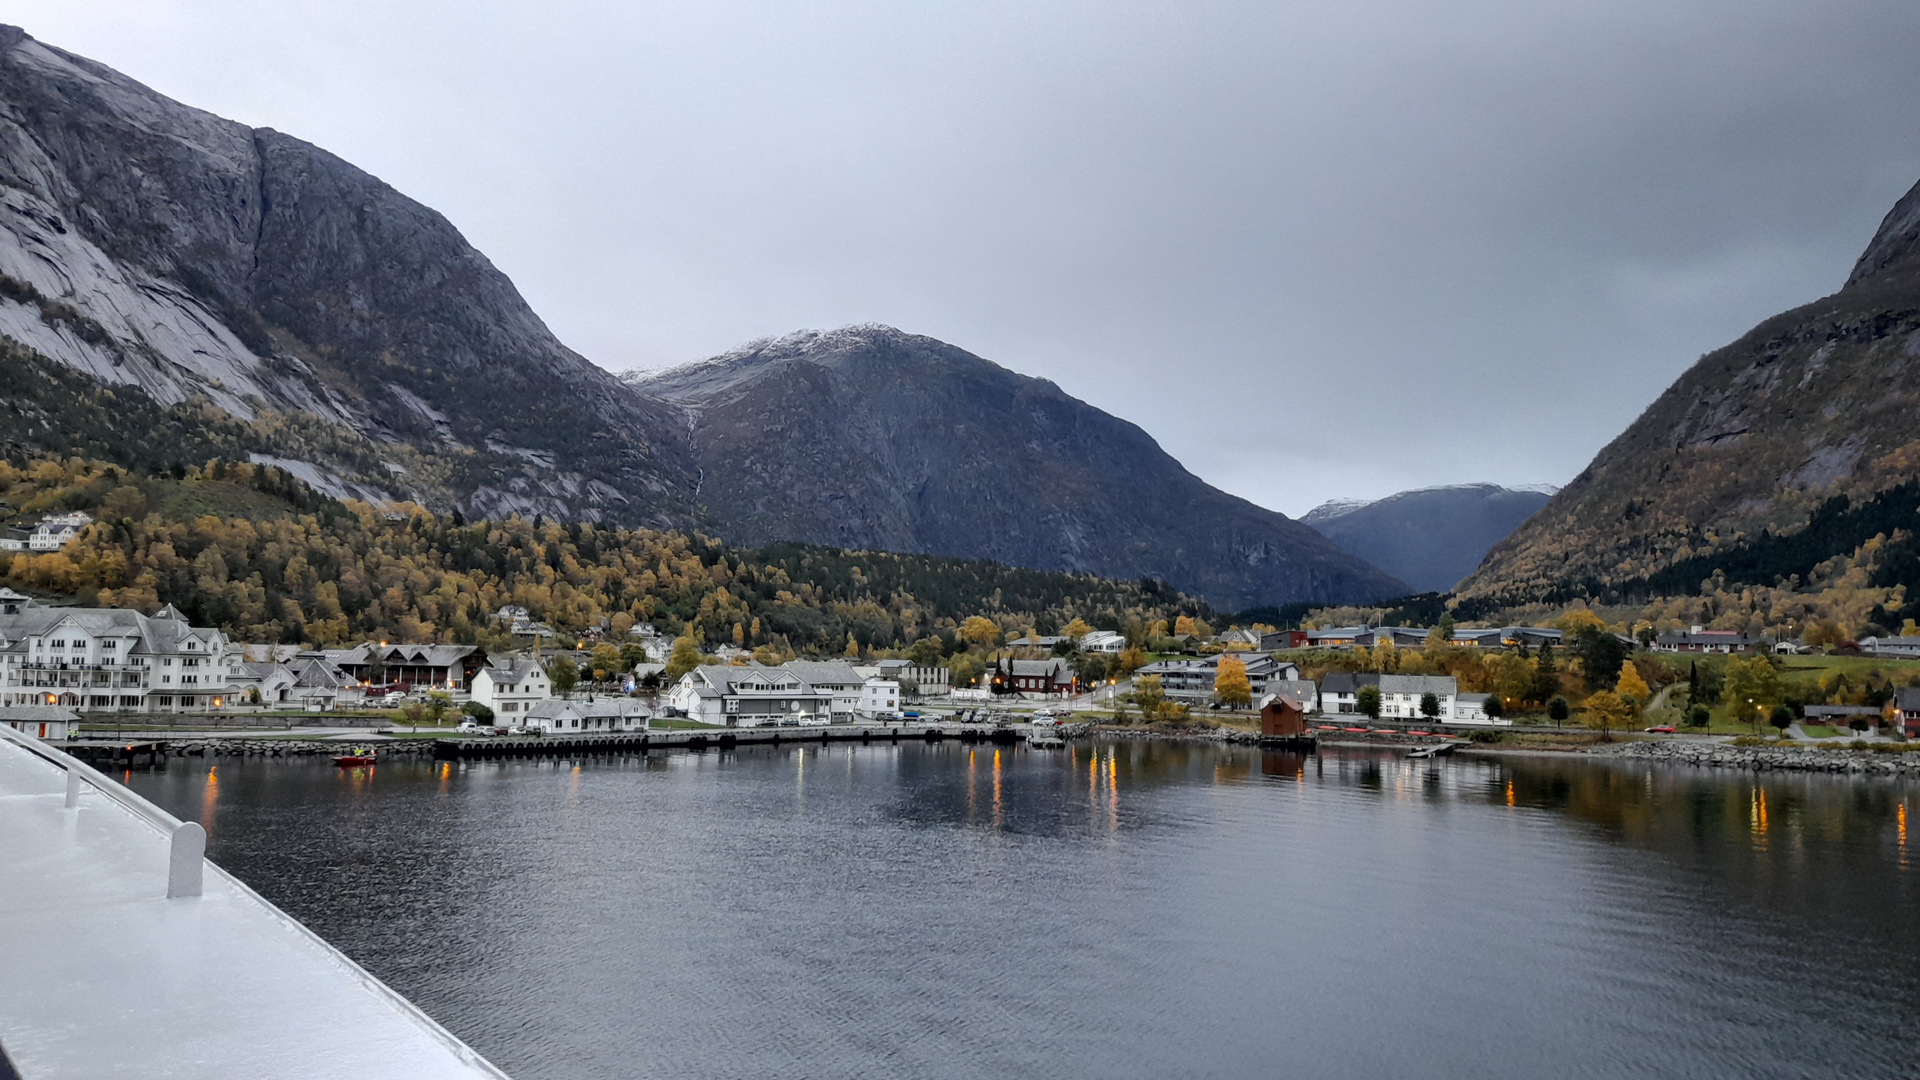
[
  {"x": 837, "y": 679},
  {"x": 41, "y": 721},
  {"x": 55, "y": 530},
  {"x": 598, "y": 716},
  {"x": 746, "y": 696},
  {"x": 1340, "y": 691},
  {"x": 1400, "y": 696},
  {"x": 1472, "y": 709},
  {"x": 926, "y": 682},
  {"x": 1103, "y": 641},
  {"x": 511, "y": 686},
  {"x": 111, "y": 659},
  {"x": 1890, "y": 646},
  {"x": 879, "y": 698}
]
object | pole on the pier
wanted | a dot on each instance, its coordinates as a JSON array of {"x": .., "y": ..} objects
[{"x": 186, "y": 859}]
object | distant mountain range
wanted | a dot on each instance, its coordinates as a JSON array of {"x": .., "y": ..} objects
[
  {"x": 1794, "y": 444},
  {"x": 868, "y": 437},
  {"x": 1429, "y": 538},
  {"x": 241, "y": 291}
]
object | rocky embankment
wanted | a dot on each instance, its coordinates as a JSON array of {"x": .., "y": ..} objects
[
  {"x": 1766, "y": 758},
  {"x": 1160, "y": 731},
  {"x": 294, "y": 747}
]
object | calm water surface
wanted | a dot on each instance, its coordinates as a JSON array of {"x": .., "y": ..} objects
[{"x": 1114, "y": 910}]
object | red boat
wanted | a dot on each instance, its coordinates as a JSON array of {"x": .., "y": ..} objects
[{"x": 354, "y": 760}]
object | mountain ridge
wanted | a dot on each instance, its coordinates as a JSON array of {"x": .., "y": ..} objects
[
  {"x": 358, "y": 341},
  {"x": 773, "y": 470},
  {"x": 1429, "y": 537},
  {"x": 1753, "y": 438}
]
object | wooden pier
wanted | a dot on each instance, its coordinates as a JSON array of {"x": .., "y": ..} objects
[
  {"x": 119, "y": 756},
  {"x": 640, "y": 742}
]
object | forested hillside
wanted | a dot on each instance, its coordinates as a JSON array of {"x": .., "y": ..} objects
[{"x": 252, "y": 550}]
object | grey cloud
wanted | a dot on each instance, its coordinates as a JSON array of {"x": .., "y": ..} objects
[{"x": 1316, "y": 249}]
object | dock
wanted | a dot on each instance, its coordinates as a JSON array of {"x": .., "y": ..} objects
[
  {"x": 1436, "y": 750},
  {"x": 641, "y": 742},
  {"x": 124, "y": 952}
]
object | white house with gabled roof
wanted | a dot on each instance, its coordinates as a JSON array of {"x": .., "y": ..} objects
[
  {"x": 746, "y": 695},
  {"x": 511, "y": 686},
  {"x": 112, "y": 660}
]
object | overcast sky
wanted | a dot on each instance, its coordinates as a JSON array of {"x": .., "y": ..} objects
[{"x": 1316, "y": 249}]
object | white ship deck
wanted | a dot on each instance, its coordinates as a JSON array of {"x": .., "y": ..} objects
[{"x": 102, "y": 975}]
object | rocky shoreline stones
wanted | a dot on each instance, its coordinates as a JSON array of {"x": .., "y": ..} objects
[
  {"x": 1765, "y": 759},
  {"x": 292, "y": 747}
]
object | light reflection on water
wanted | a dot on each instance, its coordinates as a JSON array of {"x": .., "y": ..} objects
[{"x": 1118, "y": 909}]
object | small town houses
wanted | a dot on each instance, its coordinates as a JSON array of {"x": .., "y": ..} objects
[
  {"x": 1190, "y": 680},
  {"x": 1701, "y": 640},
  {"x": 752, "y": 695},
  {"x": 1038, "y": 678}
]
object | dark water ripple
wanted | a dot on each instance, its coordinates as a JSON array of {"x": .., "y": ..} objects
[{"x": 1130, "y": 910}]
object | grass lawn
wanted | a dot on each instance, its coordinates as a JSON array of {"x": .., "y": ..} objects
[
  {"x": 1852, "y": 665},
  {"x": 1817, "y": 731}
]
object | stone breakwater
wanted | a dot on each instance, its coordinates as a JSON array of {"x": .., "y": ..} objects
[
  {"x": 1766, "y": 759},
  {"x": 1160, "y": 731},
  {"x": 421, "y": 748}
]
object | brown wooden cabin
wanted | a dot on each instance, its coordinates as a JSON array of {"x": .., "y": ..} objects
[{"x": 1281, "y": 718}]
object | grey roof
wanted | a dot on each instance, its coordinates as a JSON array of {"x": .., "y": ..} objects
[
  {"x": 1347, "y": 682},
  {"x": 1300, "y": 692},
  {"x": 510, "y": 669},
  {"x": 1705, "y": 637},
  {"x": 1843, "y": 710},
  {"x": 316, "y": 673},
  {"x": 824, "y": 672},
  {"x": 611, "y": 707},
  {"x": 713, "y": 680},
  {"x": 1907, "y": 701},
  {"x": 38, "y": 714},
  {"x": 154, "y": 634},
  {"x": 1418, "y": 684}
]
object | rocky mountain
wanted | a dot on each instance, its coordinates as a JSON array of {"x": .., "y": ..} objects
[
  {"x": 1429, "y": 538},
  {"x": 153, "y": 245},
  {"x": 234, "y": 291},
  {"x": 867, "y": 437},
  {"x": 1758, "y": 439}
]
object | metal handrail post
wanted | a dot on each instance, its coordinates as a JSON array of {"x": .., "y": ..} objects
[{"x": 187, "y": 841}]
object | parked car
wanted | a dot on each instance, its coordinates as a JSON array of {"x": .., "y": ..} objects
[
  {"x": 1661, "y": 729},
  {"x": 808, "y": 719},
  {"x": 468, "y": 726}
]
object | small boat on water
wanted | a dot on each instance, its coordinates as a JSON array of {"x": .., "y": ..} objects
[{"x": 360, "y": 755}]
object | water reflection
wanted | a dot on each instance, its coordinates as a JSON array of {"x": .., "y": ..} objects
[{"x": 961, "y": 911}]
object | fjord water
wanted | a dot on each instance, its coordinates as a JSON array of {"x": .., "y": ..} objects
[{"x": 1124, "y": 909}]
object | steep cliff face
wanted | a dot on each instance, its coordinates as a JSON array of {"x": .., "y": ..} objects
[
  {"x": 146, "y": 242},
  {"x": 1430, "y": 538},
  {"x": 315, "y": 318},
  {"x": 868, "y": 437},
  {"x": 1814, "y": 402}
]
